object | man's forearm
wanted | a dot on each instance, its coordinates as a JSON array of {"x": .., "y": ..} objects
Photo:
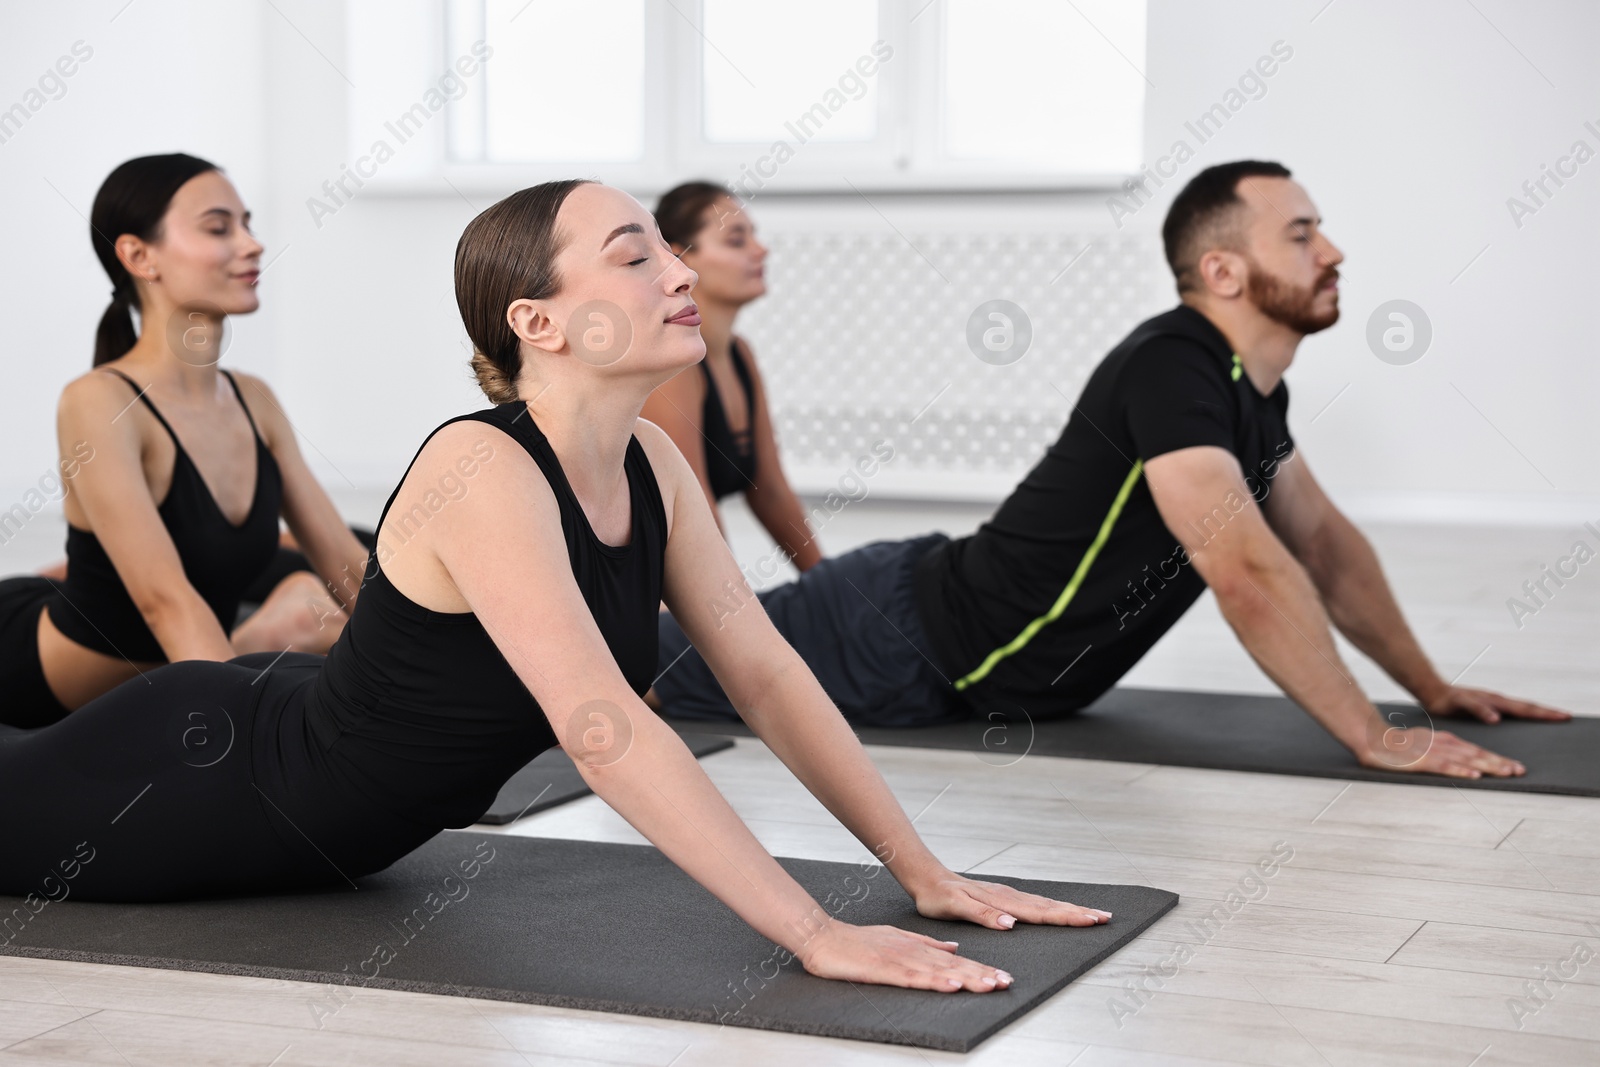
[
  {"x": 1348, "y": 575},
  {"x": 1280, "y": 620}
]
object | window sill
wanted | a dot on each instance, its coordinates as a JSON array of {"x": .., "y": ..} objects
[{"x": 498, "y": 182}]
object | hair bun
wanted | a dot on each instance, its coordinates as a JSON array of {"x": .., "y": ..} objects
[{"x": 494, "y": 382}]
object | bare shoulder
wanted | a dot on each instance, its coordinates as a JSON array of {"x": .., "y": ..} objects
[
  {"x": 482, "y": 511},
  {"x": 472, "y": 482},
  {"x": 686, "y": 390},
  {"x": 676, "y": 407},
  {"x": 92, "y": 404},
  {"x": 746, "y": 349},
  {"x": 471, "y": 451},
  {"x": 94, "y": 389},
  {"x": 263, "y": 405},
  {"x": 662, "y": 452},
  {"x": 666, "y": 461}
]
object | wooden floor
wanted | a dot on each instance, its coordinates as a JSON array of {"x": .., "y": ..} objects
[{"x": 1412, "y": 925}]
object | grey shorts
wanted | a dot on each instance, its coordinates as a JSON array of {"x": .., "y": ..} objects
[{"x": 853, "y": 620}]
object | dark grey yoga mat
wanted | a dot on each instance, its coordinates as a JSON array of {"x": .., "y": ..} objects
[
  {"x": 601, "y": 927},
  {"x": 551, "y": 779},
  {"x": 1240, "y": 732}
]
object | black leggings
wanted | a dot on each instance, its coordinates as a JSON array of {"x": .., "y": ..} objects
[
  {"x": 196, "y": 779},
  {"x": 25, "y": 697},
  {"x": 287, "y": 561}
]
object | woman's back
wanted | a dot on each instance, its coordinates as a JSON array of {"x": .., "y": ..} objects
[{"x": 418, "y": 709}]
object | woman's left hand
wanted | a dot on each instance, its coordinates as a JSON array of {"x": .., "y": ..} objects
[{"x": 997, "y": 906}]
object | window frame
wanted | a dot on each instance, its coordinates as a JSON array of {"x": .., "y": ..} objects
[{"x": 904, "y": 157}]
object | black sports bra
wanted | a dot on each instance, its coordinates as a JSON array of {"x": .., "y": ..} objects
[
  {"x": 92, "y": 606},
  {"x": 730, "y": 457},
  {"x": 418, "y": 710}
]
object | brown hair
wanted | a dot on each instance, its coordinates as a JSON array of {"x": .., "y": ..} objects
[
  {"x": 681, "y": 211},
  {"x": 507, "y": 253},
  {"x": 133, "y": 199}
]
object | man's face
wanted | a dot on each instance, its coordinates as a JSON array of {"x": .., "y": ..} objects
[{"x": 1293, "y": 268}]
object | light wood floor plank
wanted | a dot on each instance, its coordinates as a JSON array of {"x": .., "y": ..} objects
[
  {"x": 21, "y": 1020},
  {"x": 1548, "y": 960},
  {"x": 1406, "y": 992}
]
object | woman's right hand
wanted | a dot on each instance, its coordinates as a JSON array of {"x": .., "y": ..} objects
[{"x": 888, "y": 955}]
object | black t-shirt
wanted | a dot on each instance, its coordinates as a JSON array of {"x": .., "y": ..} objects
[{"x": 1053, "y": 599}]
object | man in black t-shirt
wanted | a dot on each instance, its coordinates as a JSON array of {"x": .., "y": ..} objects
[
  {"x": 1175, "y": 472},
  {"x": 1076, "y": 576}
]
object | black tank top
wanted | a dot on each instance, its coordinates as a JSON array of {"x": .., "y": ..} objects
[
  {"x": 220, "y": 560},
  {"x": 730, "y": 457},
  {"x": 418, "y": 710}
]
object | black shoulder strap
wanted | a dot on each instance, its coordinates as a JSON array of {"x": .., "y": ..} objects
[
  {"x": 140, "y": 395},
  {"x": 745, "y": 379},
  {"x": 253, "y": 427}
]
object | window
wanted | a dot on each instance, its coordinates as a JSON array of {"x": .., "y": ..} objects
[
  {"x": 770, "y": 95},
  {"x": 805, "y": 51},
  {"x": 1042, "y": 86},
  {"x": 565, "y": 82}
]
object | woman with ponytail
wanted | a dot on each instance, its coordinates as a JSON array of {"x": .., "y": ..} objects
[{"x": 177, "y": 470}]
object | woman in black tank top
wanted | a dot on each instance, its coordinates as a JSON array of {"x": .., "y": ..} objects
[
  {"x": 718, "y": 416},
  {"x": 510, "y": 605},
  {"x": 177, "y": 473}
]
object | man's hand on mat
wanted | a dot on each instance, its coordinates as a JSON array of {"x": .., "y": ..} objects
[
  {"x": 888, "y": 955},
  {"x": 997, "y": 906},
  {"x": 1427, "y": 751},
  {"x": 1489, "y": 706}
]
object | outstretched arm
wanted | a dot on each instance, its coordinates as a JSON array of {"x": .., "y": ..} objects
[
  {"x": 782, "y": 701},
  {"x": 502, "y": 550},
  {"x": 1272, "y": 604},
  {"x": 1346, "y": 572}
]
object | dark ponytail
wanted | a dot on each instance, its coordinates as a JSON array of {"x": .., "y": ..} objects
[{"x": 133, "y": 199}]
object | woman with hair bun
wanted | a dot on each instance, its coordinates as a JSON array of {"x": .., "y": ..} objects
[
  {"x": 510, "y": 607},
  {"x": 176, "y": 470}
]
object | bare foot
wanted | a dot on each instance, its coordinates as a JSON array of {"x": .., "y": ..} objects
[{"x": 299, "y": 614}]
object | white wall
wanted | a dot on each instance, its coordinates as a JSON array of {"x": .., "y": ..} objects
[
  {"x": 1410, "y": 124},
  {"x": 164, "y": 76}
]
